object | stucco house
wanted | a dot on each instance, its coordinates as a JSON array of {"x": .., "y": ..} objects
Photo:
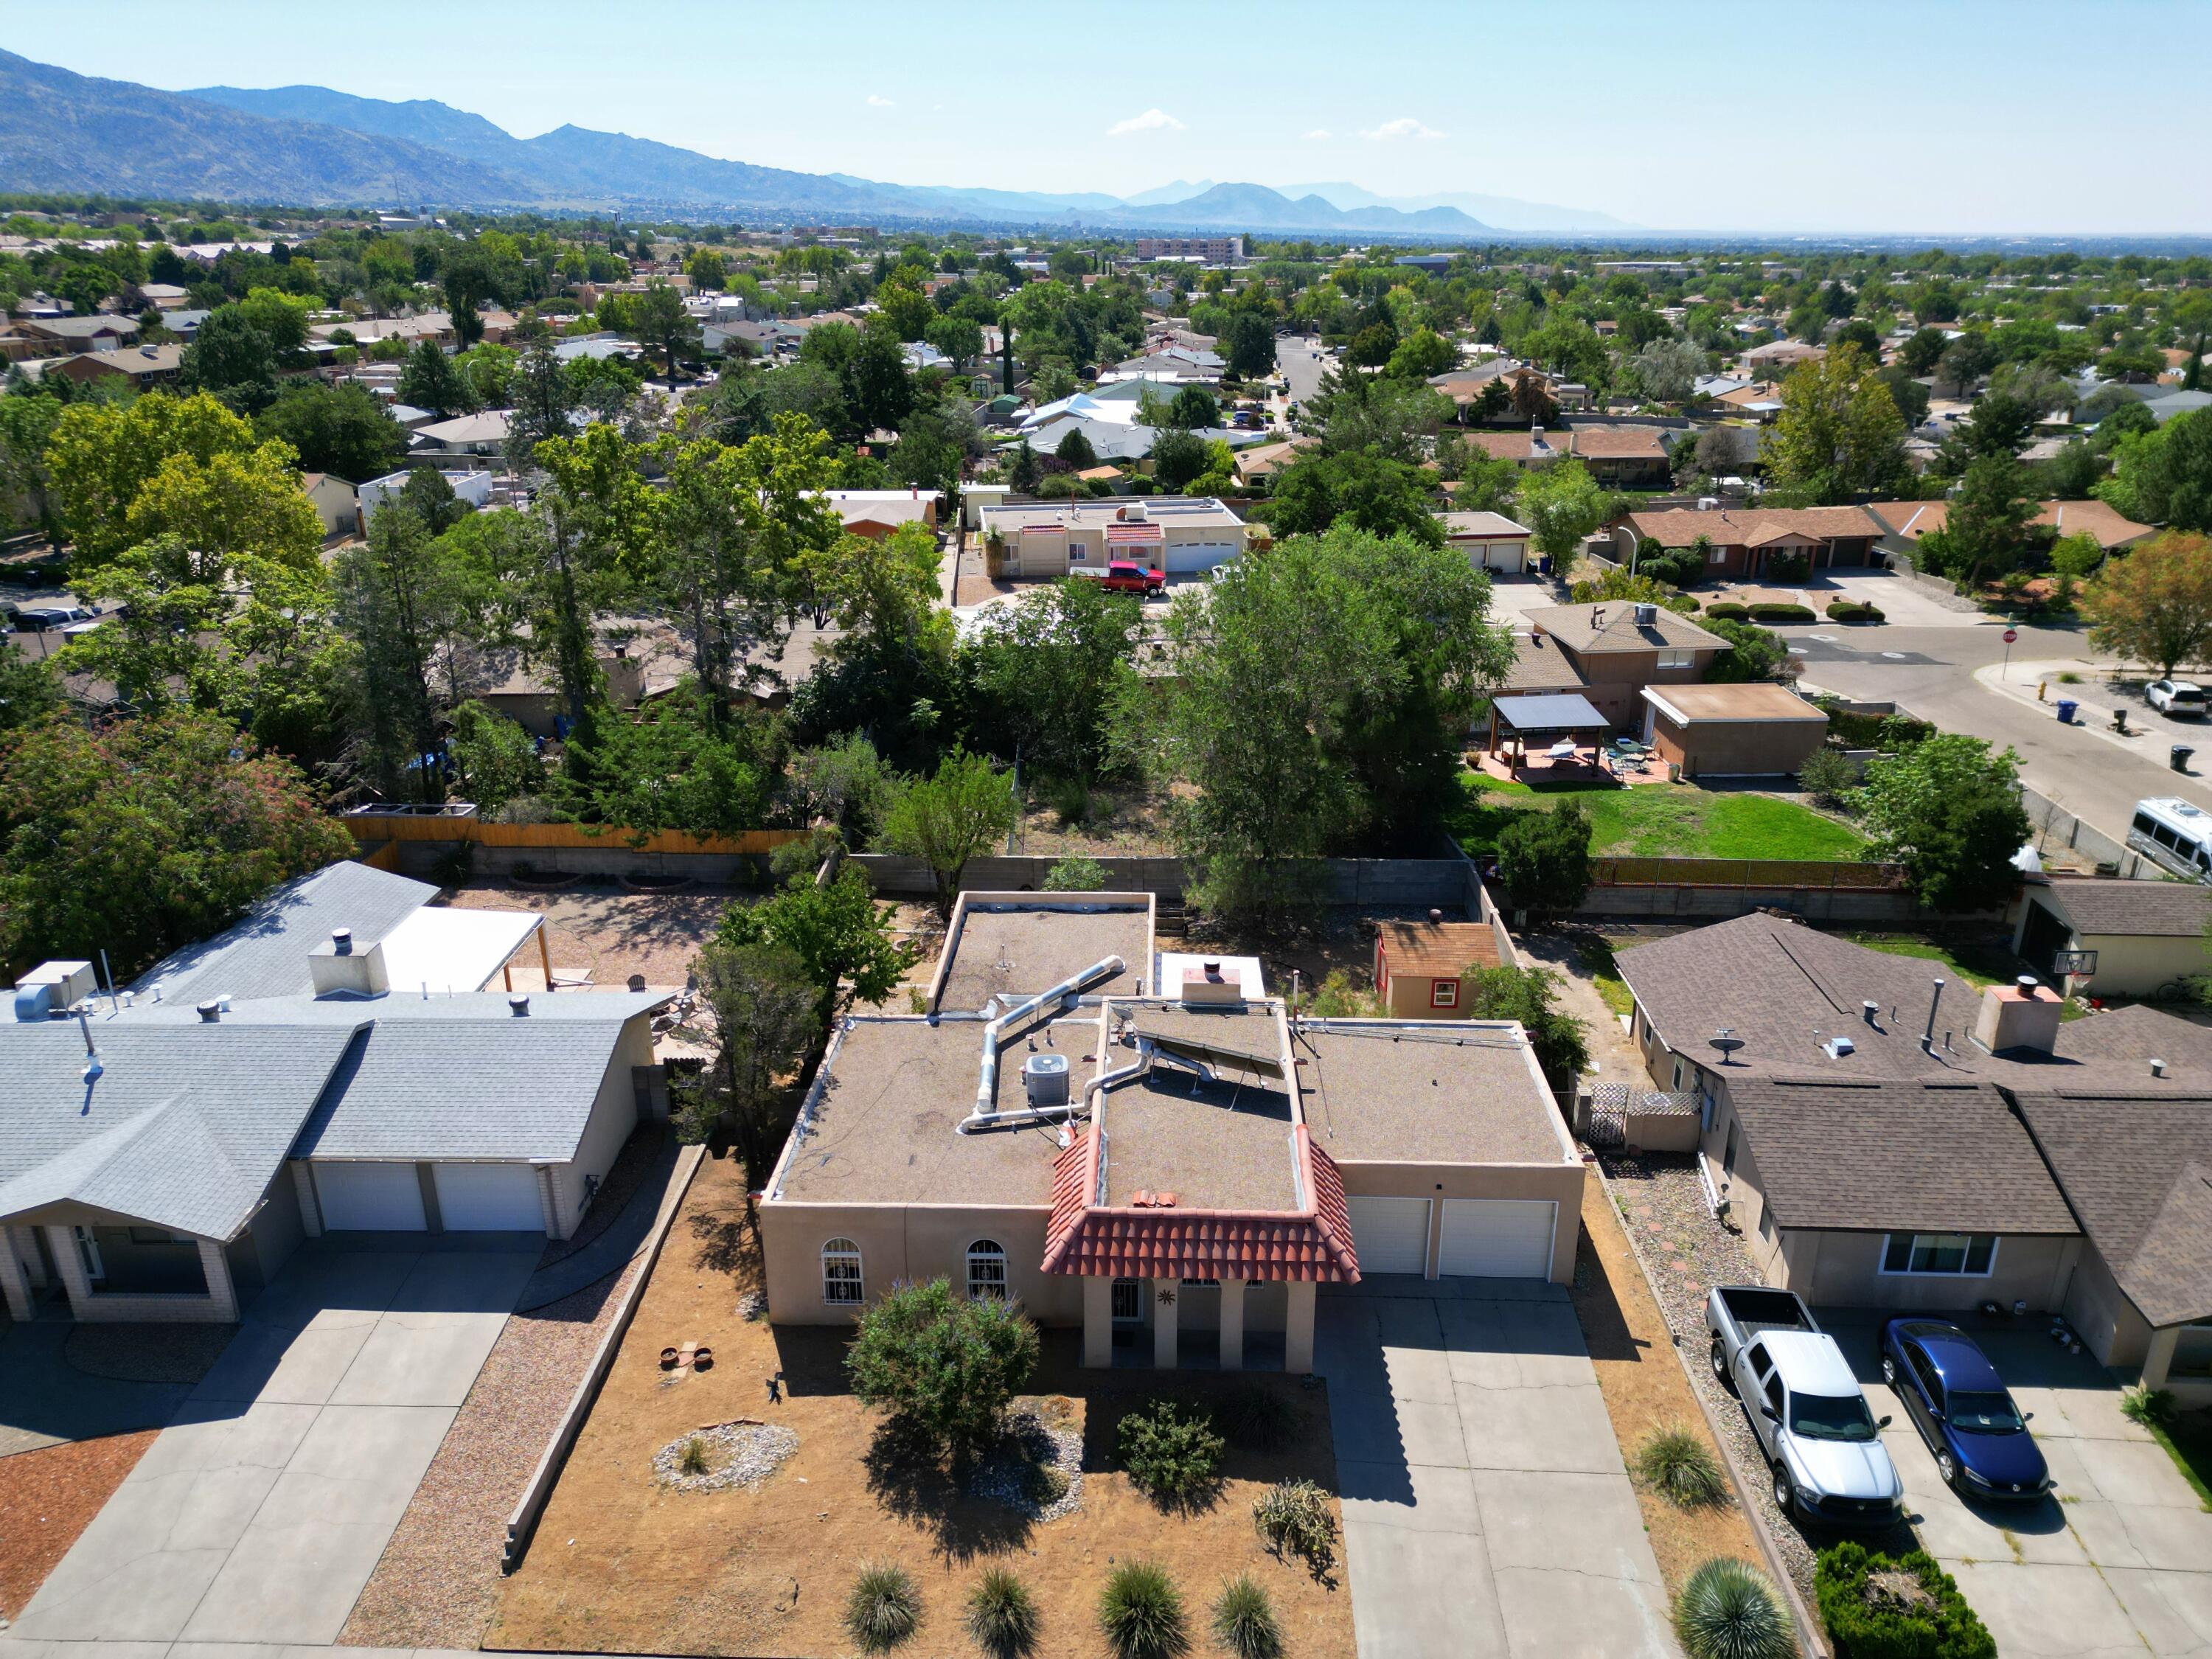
[
  {"x": 331, "y": 1064},
  {"x": 1253, "y": 1156},
  {"x": 2140, "y": 935}
]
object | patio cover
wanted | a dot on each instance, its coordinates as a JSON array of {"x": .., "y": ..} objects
[
  {"x": 441, "y": 951},
  {"x": 1556, "y": 715}
]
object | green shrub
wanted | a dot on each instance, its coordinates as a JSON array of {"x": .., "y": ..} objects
[
  {"x": 1294, "y": 1519},
  {"x": 1729, "y": 1610},
  {"x": 1826, "y": 775},
  {"x": 884, "y": 1608},
  {"x": 693, "y": 1460},
  {"x": 1172, "y": 1453},
  {"x": 1002, "y": 1614},
  {"x": 1728, "y": 611},
  {"x": 1786, "y": 570},
  {"x": 1070, "y": 799},
  {"x": 1140, "y": 1612},
  {"x": 1853, "y": 611},
  {"x": 2068, "y": 677},
  {"x": 1244, "y": 1620},
  {"x": 1675, "y": 1462},
  {"x": 943, "y": 1367},
  {"x": 1779, "y": 612},
  {"x": 1253, "y": 1417},
  {"x": 2152, "y": 1408},
  {"x": 1075, "y": 874},
  {"x": 1876, "y": 1608}
]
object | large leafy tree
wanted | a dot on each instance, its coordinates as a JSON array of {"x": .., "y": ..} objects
[
  {"x": 1561, "y": 504},
  {"x": 1045, "y": 671},
  {"x": 1948, "y": 810},
  {"x": 230, "y": 505},
  {"x": 840, "y": 935},
  {"x": 1247, "y": 345},
  {"x": 232, "y": 357},
  {"x": 26, "y": 426},
  {"x": 432, "y": 380},
  {"x": 339, "y": 430},
  {"x": 942, "y": 1367},
  {"x": 2164, "y": 474},
  {"x": 1543, "y": 858},
  {"x": 1991, "y": 528},
  {"x": 947, "y": 819},
  {"x": 141, "y": 835},
  {"x": 662, "y": 325},
  {"x": 101, "y": 455},
  {"x": 1839, "y": 433},
  {"x": 766, "y": 1021},
  {"x": 1380, "y": 496},
  {"x": 2154, "y": 605},
  {"x": 674, "y": 768}
]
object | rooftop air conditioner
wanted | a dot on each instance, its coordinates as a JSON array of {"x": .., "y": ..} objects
[{"x": 1044, "y": 1079}]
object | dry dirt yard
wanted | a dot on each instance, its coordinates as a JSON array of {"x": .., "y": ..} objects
[
  {"x": 622, "y": 1563},
  {"x": 598, "y": 925}
]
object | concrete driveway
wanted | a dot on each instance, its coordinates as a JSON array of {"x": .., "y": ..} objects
[
  {"x": 262, "y": 1508},
  {"x": 1486, "y": 1511},
  {"x": 2119, "y": 1562}
]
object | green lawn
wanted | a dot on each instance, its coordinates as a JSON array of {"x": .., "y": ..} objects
[
  {"x": 2188, "y": 1441},
  {"x": 1979, "y": 962},
  {"x": 1663, "y": 821},
  {"x": 1596, "y": 956}
]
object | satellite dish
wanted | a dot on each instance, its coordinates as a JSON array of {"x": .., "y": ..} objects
[{"x": 1726, "y": 1042}]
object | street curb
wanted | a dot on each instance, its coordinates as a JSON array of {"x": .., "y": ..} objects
[{"x": 1811, "y": 1641}]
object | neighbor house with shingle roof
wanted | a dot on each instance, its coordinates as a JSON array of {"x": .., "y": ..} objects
[
  {"x": 1173, "y": 1169},
  {"x": 1872, "y": 1126},
  {"x": 1741, "y": 542},
  {"x": 2140, "y": 935},
  {"x": 1619, "y": 647},
  {"x": 331, "y": 1064}
]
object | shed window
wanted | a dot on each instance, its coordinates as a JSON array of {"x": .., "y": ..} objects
[
  {"x": 1967, "y": 1255},
  {"x": 842, "y": 1285},
  {"x": 1443, "y": 994},
  {"x": 987, "y": 1271}
]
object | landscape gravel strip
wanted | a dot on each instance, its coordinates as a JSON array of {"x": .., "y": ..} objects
[
  {"x": 1014, "y": 1476},
  {"x": 740, "y": 1455}
]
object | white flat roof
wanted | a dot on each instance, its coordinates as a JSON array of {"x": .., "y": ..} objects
[{"x": 453, "y": 952}]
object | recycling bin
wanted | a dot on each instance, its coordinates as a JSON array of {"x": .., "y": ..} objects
[
  {"x": 2066, "y": 707},
  {"x": 2177, "y": 756}
]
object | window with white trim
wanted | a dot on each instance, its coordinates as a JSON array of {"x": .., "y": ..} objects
[
  {"x": 987, "y": 1271},
  {"x": 1676, "y": 659},
  {"x": 1716, "y": 556},
  {"x": 1443, "y": 994},
  {"x": 841, "y": 1283},
  {"x": 1968, "y": 1255}
]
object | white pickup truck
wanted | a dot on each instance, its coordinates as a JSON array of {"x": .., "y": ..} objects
[{"x": 1823, "y": 1446}]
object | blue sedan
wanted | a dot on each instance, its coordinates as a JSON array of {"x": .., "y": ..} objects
[{"x": 1957, "y": 1401}]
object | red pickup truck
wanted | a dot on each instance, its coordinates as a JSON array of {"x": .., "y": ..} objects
[{"x": 1126, "y": 576}]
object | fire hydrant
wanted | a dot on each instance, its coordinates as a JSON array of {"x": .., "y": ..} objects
[{"x": 2041, "y": 686}]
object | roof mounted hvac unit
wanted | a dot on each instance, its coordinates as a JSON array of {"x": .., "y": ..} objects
[
  {"x": 1647, "y": 615},
  {"x": 1044, "y": 1079}
]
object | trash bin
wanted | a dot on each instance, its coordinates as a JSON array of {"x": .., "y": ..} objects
[
  {"x": 2066, "y": 707},
  {"x": 2177, "y": 756}
]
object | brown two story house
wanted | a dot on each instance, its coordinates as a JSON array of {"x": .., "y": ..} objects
[{"x": 1620, "y": 648}]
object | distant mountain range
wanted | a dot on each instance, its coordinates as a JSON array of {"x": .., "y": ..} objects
[{"x": 63, "y": 131}]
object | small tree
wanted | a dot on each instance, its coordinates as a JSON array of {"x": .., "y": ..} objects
[
  {"x": 1527, "y": 994},
  {"x": 767, "y": 1016},
  {"x": 944, "y": 1368},
  {"x": 949, "y": 818},
  {"x": 1948, "y": 810},
  {"x": 2155, "y": 604},
  {"x": 1025, "y": 470},
  {"x": 1543, "y": 858},
  {"x": 1754, "y": 652},
  {"x": 1076, "y": 451},
  {"x": 841, "y": 936}
]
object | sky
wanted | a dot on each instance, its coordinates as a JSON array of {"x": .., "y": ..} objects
[{"x": 1966, "y": 117}]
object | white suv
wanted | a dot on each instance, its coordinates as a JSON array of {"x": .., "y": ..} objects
[{"x": 2181, "y": 698}]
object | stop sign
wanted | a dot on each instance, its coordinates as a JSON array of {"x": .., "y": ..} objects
[{"x": 2010, "y": 634}]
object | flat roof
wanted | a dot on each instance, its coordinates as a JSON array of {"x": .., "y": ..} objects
[
  {"x": 1564, "y": 711},
  {"x": 1020, "y": 943},
  {"x": 881, "y": 1126},
  {"x": 1393, "y": 1091},
  {"x": 445, "y": 950},
  {"x": 1223, "y": 1144},
  {"x": 1761, "y": 700}
]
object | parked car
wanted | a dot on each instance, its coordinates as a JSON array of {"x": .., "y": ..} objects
[
  {"x": 2183, "y": 699},
  {"x": 34, "y": 618},
  {"x": 1823, "y": 1446},
  {"x": 1126, "y": 576},
  {"x": 1955, "y": 1398}
]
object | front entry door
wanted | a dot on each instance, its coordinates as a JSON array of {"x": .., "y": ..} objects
[{"x": 89, "y": 1248}]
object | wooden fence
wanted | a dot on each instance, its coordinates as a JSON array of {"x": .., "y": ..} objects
[{"x": 1817, "y": 874}]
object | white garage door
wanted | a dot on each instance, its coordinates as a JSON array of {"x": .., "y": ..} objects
[
  {"x": 1185, "y": 557},
  {"x": 372, "y": 1198},
  {"x": 1390, "y": 1234},
  {"x": 1497, "y": 1238},
  {"x": 488, "y": 1198}
]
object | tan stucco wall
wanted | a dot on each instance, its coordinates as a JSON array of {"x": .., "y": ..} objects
[
  {"x": 1408, "y": 998},
  {"x": 1561, "y": 1182},
  {"x": 614, "y": 1115},
  {"x": 2102, "y": 1315},
  {"x": 906, "y": 1241},
  {"x": 2135, "y": 966},
  {"x": 1843, "y": 1270}
]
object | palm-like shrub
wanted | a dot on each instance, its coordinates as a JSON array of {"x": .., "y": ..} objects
[
  {"x": 1729, "y": 1610},
  {"x": 1002, "y": 1614},
  {"x": 1244, "y": 1620},
  {"x": 1140, "y": 1612},
  {"x": 1676, "y": 1463},
  {"x": 1294, "y": 1519},
  {"x": 883, "y": 1609}
]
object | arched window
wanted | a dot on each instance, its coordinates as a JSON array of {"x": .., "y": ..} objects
[
  {"x": 841, "y": 1283},
  {"x": 987, "y": 1271}
]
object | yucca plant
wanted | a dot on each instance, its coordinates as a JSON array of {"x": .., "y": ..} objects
[
  {"x": 1729, "y": 1610},
  {"x": 1140, "y": 1611},
  {"x": 1002, "y": 1614},
  {"x": 883, "y": 1609},
  {"x": 694, "y": 1458},
  {"x": 1244, "y": 1620},
  {"x": 1675, "y": 1462}
]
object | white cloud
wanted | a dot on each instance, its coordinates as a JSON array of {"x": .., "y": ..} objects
[
  {"x": 1319, "y": 132},
  {"x": 1404, "y": 127},
  {"x": 1152, "y": 120},
  {"x": 878, "y": 102}
]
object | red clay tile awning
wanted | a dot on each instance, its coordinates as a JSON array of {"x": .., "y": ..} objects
[{"x": 1271, "y": 1246}]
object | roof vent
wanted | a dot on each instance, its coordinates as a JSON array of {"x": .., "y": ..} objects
[
  {"x": 210, "y": 1012},
  {"x": 1435, "y": 916},
  {"x": 2158, "y": 1068},
  {"x": 1871, "y": 1009},
  {"x": 1837, "y": 1047},
  {"x": 518, "y": 1004},
  {"x": 341, "y": 941},
  {"x": 1044, "y": 1079}
]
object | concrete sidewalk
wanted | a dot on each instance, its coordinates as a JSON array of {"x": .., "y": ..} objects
[
  {"x": 260, "y": 1511},
  {"x": 1486, "y": 1509}
]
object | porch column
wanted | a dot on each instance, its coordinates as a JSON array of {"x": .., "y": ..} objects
[
  {"x": 545, "y": 956},
  {"x": 2158, "y": 1358},
  {"x": 15, "y": 1283},
  {"x": 1299, "y": 1337},
  {"x": 1233, "y": 1324},
  {"x": 222, "y": 1295},
  {"x": 68, "y": 1261},
  {"x": 1098, "y": 1323},
  {"x": 1166, "y": 1293}
]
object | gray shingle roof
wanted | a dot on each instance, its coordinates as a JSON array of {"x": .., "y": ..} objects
[
  {"x": 2138, "y": 1167},
  {"x": 264, "y": 952},
  {"x": 1923, "y": 1156},
  {"x": 2165, "y": 909},
  {"x": 184, "y": 1127}
]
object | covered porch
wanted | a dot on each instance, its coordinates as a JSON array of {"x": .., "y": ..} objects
[
  {"x": 1171, "y": 1324},
  {"x": 1566, "y": 730},
  {"x": 111, "y": 1269}
]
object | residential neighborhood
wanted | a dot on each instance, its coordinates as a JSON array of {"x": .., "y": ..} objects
[{"x": 754, "y": 909}]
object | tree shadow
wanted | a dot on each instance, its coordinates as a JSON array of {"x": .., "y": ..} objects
[
  {"x": 729, "y": 1239},
  {"x": 911, "y": 1478}
]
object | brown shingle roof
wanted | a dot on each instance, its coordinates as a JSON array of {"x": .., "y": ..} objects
[
  {"x": 1621, "y": 443},
  {"x": 1737, "y": 526},
  {"x": 2160, "y": 909},
  {"x": 1924, "y": 1155},
  {"x": 1541, "y": 667},
  {"x": 1911, "y": 520},
  {"x": 1578, "y": 628},
  {"x": 2137, "y": 1168},
  {"x": 1437, "y": 950}
]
